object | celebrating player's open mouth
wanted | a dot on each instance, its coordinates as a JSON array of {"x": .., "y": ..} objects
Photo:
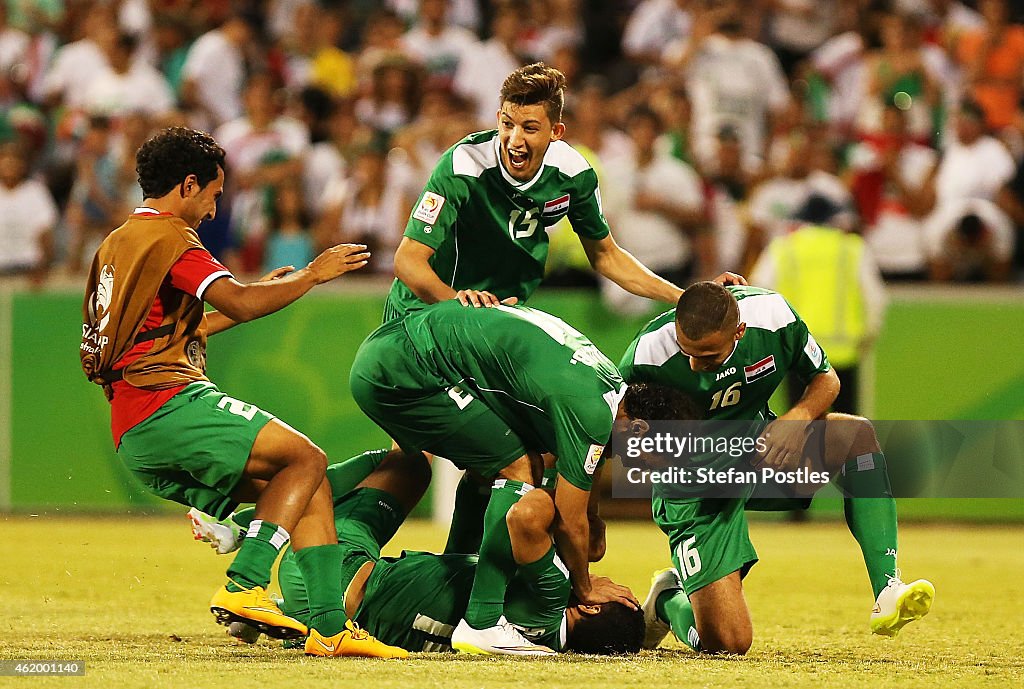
[{"x": 525, "y": 132}]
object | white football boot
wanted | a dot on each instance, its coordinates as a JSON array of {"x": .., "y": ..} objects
[
  {"x": 501, "y": 639},
  {"x": 899, "y": 604},
  {"x": 224, "y": 537},
  {"x": 657, "y": 629}
]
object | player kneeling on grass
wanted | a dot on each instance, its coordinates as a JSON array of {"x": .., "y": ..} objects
[
  {"x": 144, "y": 340},
  {"x": 415, "y": 601},
  {"x": 728, "y": 349}
]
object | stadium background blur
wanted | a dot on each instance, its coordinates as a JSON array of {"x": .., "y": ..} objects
[
  {"x": 717, "y": 128},
  {"x": 711, "y": 137}
]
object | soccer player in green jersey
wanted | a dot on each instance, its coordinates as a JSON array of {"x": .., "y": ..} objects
[
  {"x": 729, "y": 348},
  {"x": 479, "y": 231},
  {"x": 416, "y": 600},
  {"x": 490, "y": 389}
]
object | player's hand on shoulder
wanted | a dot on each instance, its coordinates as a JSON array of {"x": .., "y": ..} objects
[
  {"x": 477, "y": 298},
  {"x": 338, "y": 260},
  {"x": 728, "y": 278}
]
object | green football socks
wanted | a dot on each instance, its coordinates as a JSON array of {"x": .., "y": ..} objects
[
  {"x": 321, "y": 566},
  {"x": 673, "y": 606},
  {"x": 251, "y": 567},
  {"x": 872, "y": 520},
  {"x": 496, "y": 565}
]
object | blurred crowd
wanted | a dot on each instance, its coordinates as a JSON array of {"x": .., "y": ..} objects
[{"x": 716, "y": 126}]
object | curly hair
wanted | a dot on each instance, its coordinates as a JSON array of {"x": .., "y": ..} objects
[
  {"x": 171, "y": 155},
  {"x": 536, "y": 84},
  {"x": 613, "y": 631},
  {"x": 652, "y": 402}
]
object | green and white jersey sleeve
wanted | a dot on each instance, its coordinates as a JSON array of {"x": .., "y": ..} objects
[
  {"x": 776, "y": 342},
  {"x": 489, "y": 231}
]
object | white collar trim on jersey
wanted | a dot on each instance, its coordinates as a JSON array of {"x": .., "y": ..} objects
[
  {"x": 145, "y": 210},
  {"x": 521, "y": 186},
  {"x": 734, "y": 348}
]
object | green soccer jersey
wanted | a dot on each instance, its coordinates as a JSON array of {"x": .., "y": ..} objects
[
  {"x": 489, "y": 231},
  {"x": 776, "y": 341},
  {"x": 415, "y": 601},
  {"x": 548, "y": 382}
]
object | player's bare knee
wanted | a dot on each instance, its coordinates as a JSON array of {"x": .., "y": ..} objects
[
  {"x": 534, "y": 512},
  {"x": 862, "y": 437},
  {"x": 312, "y": 460},
  {"x": 732, "y": 640}
]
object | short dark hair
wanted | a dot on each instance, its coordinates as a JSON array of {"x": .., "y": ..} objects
[
  {"x": 653, "y": 402},
  {"x": 171, "y": 155},
  {"x": 615, "y": 630},
  {"x": 706, "y": 308},
  {"x": 536, "y": 84}
]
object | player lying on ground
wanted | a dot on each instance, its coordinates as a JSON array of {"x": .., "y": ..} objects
[
  {"x": 144, "y": 340},
  {"x": 416, "y": 600},
  {"x": 486, "y": 388},
  {"x": 729, "y": 348}
]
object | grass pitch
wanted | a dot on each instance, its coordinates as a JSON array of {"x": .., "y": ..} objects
[{"x": 129, "y": 598}]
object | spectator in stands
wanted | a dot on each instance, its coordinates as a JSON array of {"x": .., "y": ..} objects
[
  {"x": 652, "y": 27},
  {"x": 888, "y": 175},
  {"x": 14, "y": 47},
  {"x": 730, "y": 79},
  {"x": 393, "y": 97},
  {"x": 728, "y": 180},
  {"x": 975, "y": 164},
  {"x": 214, "y": 72},
  {"x": 28, "y": 216},
  {"x": 76, "y": 64},
  {"x": 127, "y": 85},
  {"x": 973, "y": 246},
  {"x": 96, "y": 203},
  {"x": 896, "y": 73},
  {"x": 553, "y": 25},
  {"x": 775, "y": 202},
  {"x": 593, "y": 123},
  {"x": 264, "y": 149},
  {"x": 993, "y": 59},
  {"x": 373, "y": 212},
  {"x": 382, "y": 40},
  {"x": 483, "y": 70},
  {"x": 289, "y": 240},
  {"x": 171, "y": 44},
  {"x": 436, "y": 44},
  {"x": 464, "y": 13},
  {"x": 660, "y": 216},
  {"x": 796, "y": 27}
]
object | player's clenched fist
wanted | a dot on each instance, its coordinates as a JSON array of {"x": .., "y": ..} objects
[{"x": 337, "y": 261}]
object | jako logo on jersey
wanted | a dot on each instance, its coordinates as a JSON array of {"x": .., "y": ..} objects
[
  {"x": 556, "y": 206},
  {"x": 429, "y": 208},
  {"x": 726, "y": 373},
  {"x": 593, "y": 457},
  {"x": 759, "y": 370}
]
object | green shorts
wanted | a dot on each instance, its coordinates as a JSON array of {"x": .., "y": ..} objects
[
  {"x": 708, "y": 538},
  {"x": 422, "y": 412},
  {"x": 366, "y": 519},
  {"x": 193, "y": 449}
]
